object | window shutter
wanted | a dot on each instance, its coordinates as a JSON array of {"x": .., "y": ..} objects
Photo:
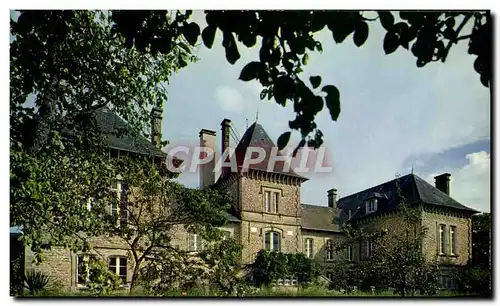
[
  {"x": 190, "y": 242},
  {"x": 267, "y": 241},
  {"x": 199, "y": 243},
  {"x": 276, "y": 241},
  {"x": 362, "y": 249},
  {"x": 305, "y": 246}
]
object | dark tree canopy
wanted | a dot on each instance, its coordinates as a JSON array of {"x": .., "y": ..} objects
[{"x": 287, "y": 37}]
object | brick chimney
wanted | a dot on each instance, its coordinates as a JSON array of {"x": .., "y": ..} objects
[
  {"x": 332, "y": 198},
  {"x": 442, "y": 182},
  {"x": 156, "y": 126},
  {"x": 207, "y": 175},
  {"x": 225, "y": 125}
]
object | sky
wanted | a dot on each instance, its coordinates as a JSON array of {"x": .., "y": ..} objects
[{"x": 395, "y": 118}]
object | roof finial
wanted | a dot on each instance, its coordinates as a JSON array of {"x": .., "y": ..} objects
[
  {"x": 246, "y": 121},
  {"x": 257, "y": 116}
]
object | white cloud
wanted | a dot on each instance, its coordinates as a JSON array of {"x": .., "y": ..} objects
[
  {"x": 230, "y": 99},
  {"x": 470, "y": 185}
]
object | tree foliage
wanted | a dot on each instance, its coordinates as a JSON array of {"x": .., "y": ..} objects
[
  {"x": 476, "y": 278},
  {"x": 397, "y": 260},
  {"x": 72, "y": 63},
  {"x": 286, "y": 39},
  {"x": 216, "y": 268},
  {"x": 481, "y": 240},
  {"x": 157, "y": 207},
  {"x": 271, "y": 266}
]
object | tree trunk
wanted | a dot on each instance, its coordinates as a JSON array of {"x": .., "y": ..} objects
[
  {"x": 45, "y": 119},
  {"x": 135, "y": 274}
]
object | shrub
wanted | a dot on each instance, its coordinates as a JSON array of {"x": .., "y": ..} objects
[
  {"x": 35, "y": 281},
  {"x": 475, "y": 280},
  {"x": 270, "y": 266},
  {"x": 102, "y": 280}
]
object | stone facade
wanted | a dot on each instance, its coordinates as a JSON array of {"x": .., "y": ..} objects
[
  {"x": 430, "y": 220},
  {"x": 463, "y": 231},
  {"x": 252, "y": 221}
]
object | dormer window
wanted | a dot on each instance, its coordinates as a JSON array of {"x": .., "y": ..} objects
[{"x": 371, "y": 205}]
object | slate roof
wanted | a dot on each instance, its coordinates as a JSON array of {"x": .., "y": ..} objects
[
  {"x": 256, "y": 136},
  {"x": 110, "y": 124},
  {"x": 414, "y": 189},
  {"x": 315, "y": 217}
]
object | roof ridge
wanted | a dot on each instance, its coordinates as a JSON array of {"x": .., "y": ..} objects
[{"x": 315, "y": 205}]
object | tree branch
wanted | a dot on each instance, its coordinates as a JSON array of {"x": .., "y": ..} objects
[{"x": 451, "y": 42}]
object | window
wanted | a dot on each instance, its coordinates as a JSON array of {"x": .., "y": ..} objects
[
  {"x": 371, "y": 205},
  {"x": 267, "y": 199},
  {"x": 272, "y": 241},
  {"x": 118, "y": 265},
  {"x": 448, "y": 282},
  {"x": 367, "y": 249},
  {"x": 442, "y": 239},
  {"x": 453, "y": 239},
  {"x": 271, "y": 201},
  {"x": 195, "y": 242},
  {"x": 119, "y": 208},
  {"x": 276, "y": 199},
  {"x": 309, "y": 247},
  {"x": 329, "y": 249},
  {"x": 349, "y": 253},
  {"x": 83, "y": 263}
]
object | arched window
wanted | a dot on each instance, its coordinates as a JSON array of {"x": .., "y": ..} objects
[{"x": 272, "y": 241}]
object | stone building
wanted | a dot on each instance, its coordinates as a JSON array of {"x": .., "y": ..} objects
[
  {"x": 268, "y": 213},
  {"x": 271, "y": 215}
]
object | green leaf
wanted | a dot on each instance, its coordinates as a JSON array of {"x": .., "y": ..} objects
[
  {"x": 420, "y": 63},
  {"x": 319, "y": 47},
  {"x": 251, "y": 71},
  {"x": 263, "y": 93},
  {"x": 315, "y": 81},
  {"x": 191, "y": 31},
  {"x": 449, "y": 33},
  {"x": 283, "y": 140},
  {"x": 305, "y": 58},
  {"x": 361, "y": 34},
  {"x": 332, "y": 100},
  {"x": 341, "y": 31},
  {"x": 208, "y": 36},
  {"x": 229, "y": 43},
  {"x": 391, "y": 42},
  {"x": 386, "y": 19},
  {"x": 450, "y": 22}
]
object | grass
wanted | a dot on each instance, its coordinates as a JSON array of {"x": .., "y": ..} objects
[{"x": 309, "y": 291}]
